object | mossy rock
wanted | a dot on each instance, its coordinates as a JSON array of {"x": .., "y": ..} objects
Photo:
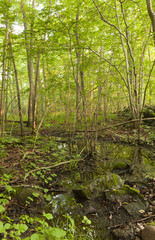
[
  {"x": 122, "y": 168},
  {"x": 120, "y": 165},
  {"x": 132, "y": 191},
  {"x": 123, "y": 193},
  {"x": 28, "y": 195},
  {"x": 99, "y": 185}
]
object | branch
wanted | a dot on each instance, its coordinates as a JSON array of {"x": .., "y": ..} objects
[
  {"x": 150, "y": 73},
  {"x": 52, "y": 166},
  {"x": 109, "y": 62},
  {"x": 136, "y": 221},
  {"x": 106, "y": 21},
  {"x": 119, "y": 124}
]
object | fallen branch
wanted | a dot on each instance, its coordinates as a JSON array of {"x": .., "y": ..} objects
[
  {"x": 112, "y": 126},
  {"x": 136, "y": 221},
  {"x": 120, "y": 124},
  {"x": 49, "y": 167}
]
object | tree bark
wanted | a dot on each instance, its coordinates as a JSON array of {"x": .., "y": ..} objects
[
  {"x": 152, "y": 16},
  {"x": 36, "y": 93},
  {"x": 78, "y": 55},
  {"x": 29, "y": 47},
  {"x": 18, "y": 91},
  {"x": 4, "y": 74}
]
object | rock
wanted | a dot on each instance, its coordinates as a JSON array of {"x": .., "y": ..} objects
[
  {"x": 90, "y": 209},
  {"x": 97, "y": 186},
  {"x": 122, "y": 168},
  {"x": 28, "y": 194},
  {"x": 148, "y": 232},
  {"x": 109, "y": 181},
  {"x": 135, "y": 208},
  {"x": 122, "y": 233}
]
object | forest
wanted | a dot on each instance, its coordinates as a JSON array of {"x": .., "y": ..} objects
[{"x": 77, "y": 119}]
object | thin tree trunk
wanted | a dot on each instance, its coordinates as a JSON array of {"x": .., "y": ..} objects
[
  {"x": 36, "y": 93},
  {"x": 29, "y": 47},
  {"x": 2, "y": 107},
  {"x": 152, "y": 16},
  {"x": 18, "y": 91},
  {"x": 78, "y": 55}
]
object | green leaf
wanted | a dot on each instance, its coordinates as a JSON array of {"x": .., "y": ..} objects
[
  {"x": 36, "y": 194},
  {"x": 86, "y": 220},
  {"x": 1, "y": 227},
  {"x": 48, "y": 216},
  {"x": 47, "y": 197},
  {"x": 35, "y": 236},
  {"x": 2, "y": 209},
  {"x": 21, "y": 227},
  {"x": 56, "y": 232},
  {"x": 7, "y": 226},
  {"x": 31, "y": 199}
]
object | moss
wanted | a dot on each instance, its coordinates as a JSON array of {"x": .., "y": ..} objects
[
  {"x": 22, "y": 194},
  {"x": 127, "y": 190},
  {"x": 109, "y": 181},
  {"x": 151, "y": 223},
  {"x": 132, "y": 191},
  {"x": 120, "y": 165}
]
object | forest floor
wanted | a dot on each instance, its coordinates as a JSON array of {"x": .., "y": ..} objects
[{"x": 22, "y": 157}]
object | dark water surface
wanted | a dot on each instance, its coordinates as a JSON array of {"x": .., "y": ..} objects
[{"x": 139, "y": 159}]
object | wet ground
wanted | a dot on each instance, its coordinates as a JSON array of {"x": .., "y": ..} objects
[{"x": 109, "y": 216}]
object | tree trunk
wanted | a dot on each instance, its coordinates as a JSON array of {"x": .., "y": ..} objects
[
  {"x": 2, "y": 107},
  {"x": 29, "y": 48},
  {"x": 78, "y": 55},
  {"x": 18, "y": 91},
  {"x": 36, "y": 93},
  {"x": 152, "y": 16}
]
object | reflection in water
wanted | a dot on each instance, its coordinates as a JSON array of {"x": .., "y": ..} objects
[
  {"x": 107, "y": 154},
  {"x": 142, "y": 160},
  {"x": 62, "y": 203}
]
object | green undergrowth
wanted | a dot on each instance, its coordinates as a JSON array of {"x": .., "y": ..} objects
[
  {"x": 39, "y": 227},
  {"x": 37, "y": 155}
]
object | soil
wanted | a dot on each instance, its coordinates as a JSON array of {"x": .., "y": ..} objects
[{"x": 119, "y": 223}]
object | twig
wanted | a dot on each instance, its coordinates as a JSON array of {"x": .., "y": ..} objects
[
  {"x": 139, "y": 220},
  {"x": 49, "y": 167},
  {"x": 25, "y": 154}
]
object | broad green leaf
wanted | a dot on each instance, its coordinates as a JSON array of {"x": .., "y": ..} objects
[
  {"x": 21, "y": 227},
  {"x": 48, "y": 216},
  {"x": 36, "y": 194},
  {"x": 57, "y": 233},
  {"x": 1, "y": 227},
  {"x": 35, "y": 236},
  {"x": 2, "y": 209},
  {"x": 7, "y": 226},
  {"x": 47, "y": 197}
]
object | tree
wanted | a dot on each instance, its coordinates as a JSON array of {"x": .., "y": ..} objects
[
  {"x": 29, "y": 52},
  {"x": 126, "y": 28},
  {"x": 6, "y": 5},
  {"x": 17, "y": 87},
  {"x": 152, "y": 16}
]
